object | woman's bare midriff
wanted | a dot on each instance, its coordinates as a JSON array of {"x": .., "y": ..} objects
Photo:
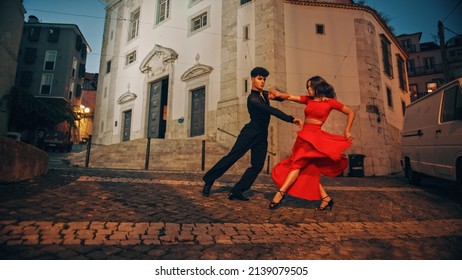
[{"x": 313, "y": 121}]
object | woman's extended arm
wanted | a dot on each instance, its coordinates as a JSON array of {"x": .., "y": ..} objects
[
  {"x": 351, "y": 116},
  {"x": 278, "y": 95}
]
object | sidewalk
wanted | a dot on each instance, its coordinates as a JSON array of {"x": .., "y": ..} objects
[{"x": 120, "y": 214}]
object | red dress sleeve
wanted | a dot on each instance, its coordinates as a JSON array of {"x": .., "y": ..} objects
[
  {"x": 304, "y": 99},
  {"x": 335, "y": 104}
]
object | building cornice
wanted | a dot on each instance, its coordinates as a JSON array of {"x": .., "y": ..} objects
[
  {"x": 196, "y": 71},
  {"x": 161, "y": 54}
]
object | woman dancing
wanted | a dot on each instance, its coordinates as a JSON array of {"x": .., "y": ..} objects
[{"x": 315, "y": 151}]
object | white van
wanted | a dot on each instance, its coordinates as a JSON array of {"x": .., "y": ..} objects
[{"x": 431, "y": 141}]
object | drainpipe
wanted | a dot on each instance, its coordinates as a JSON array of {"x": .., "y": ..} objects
[{"x": 443, "y": 52}]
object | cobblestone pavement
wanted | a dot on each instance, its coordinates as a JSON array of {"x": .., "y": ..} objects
[{"x": 74, "y": 213}]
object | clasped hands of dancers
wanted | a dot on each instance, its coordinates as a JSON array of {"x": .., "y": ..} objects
[{"x": 314, "y": 152}]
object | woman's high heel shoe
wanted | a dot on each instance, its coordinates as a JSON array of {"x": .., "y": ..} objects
[
  {"x": 329, "y": 204},
  {"x": 273, "y": 204}
]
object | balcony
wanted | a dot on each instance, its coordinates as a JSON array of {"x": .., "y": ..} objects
[{"x": 423, "y": 70}]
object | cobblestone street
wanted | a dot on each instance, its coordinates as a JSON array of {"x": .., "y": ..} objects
[{"x": 74, "y": 213}]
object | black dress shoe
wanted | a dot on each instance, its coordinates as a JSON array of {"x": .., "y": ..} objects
[
  {"x": 206, "y": 189},
  {"x": 237, "y": 196}
]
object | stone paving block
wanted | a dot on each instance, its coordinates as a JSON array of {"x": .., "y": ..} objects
[
  {"x": 97, "y": 225},
  {"x": 31, "y": 239},
  {"x": 107, "y": 242},
  {"x": 78, "y": 225},
  {"x": 50, "y": 240},
  {"x": 104, "y": 232},
  {"x": 151, "y": 242},
  {"x": 112, "y": 225},
  {"x": 71, "y": 241},
  {"x": 118, "y": 235},
  {"x": 126, "y": 226},
  {"x": 168, "y": 239}
]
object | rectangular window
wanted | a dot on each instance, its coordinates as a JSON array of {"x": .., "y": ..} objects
[
  {"x": 134, "y": 25},
  {"x": 30, "y": 55},
  {"x": 401, "y": 73},
  {"x": 130, "y": 58},
  {"x": 406, "y": 43},
  {"x": 163, "y": 10},
  {"x": 408, "y": 47},
  {"x": 386, "y": 56},
  {"x": 78, "y": 91},
  {"x": 403, "y": 107},
  {"x": 410, "y": 65},
  {"x": 108, "y": 66},
  {"x": 199, "y": 22},
  {"x": 389, "y": 98},
  {"x": 452, "y": 105},
  {"x": 246, "y": 86},
  {"x": 197, "y": 112},
  {"x": 50, "y": 60},
  {"x": 432, "y": 86},
  {"x": 34, "y": 33},
  {"x": 429, "y": 63},
  {"x": 83, "y": 52},
  {"x": 74, "y": 66},
  {"x": 246, "y": 33},
  {"x": 45, "y": 86},
  {"x": 78, "y": 43},
  {"x": 320, "y": 29},
  {"x": 71, "y": 89},
  {"x": 53, "y": 34},
  {"x": 82, "y": 70}
]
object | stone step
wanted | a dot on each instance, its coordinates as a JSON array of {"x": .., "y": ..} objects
[{"x": 165, "y": 155}]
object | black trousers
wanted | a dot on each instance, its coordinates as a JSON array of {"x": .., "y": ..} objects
[{"x": 248, "y": 139}]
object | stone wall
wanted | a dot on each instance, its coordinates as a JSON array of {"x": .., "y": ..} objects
[{"x": 20, "y": 161}]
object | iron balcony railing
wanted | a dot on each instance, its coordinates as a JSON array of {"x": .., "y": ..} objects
[{"x": 425, "y": 70}]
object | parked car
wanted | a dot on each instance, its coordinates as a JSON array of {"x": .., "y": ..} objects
[
  {"x": 14, "y": 135},
  {"x": 57, "y": 140},
  {"x": 431, "y": 141}
]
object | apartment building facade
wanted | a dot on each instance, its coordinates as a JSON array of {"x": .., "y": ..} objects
[
  {"x": 426, "y": 65},
  {"x": 51, "y": 64},
  {"x": 11, "y": 23},
  {"x": 180, "y": 70}
]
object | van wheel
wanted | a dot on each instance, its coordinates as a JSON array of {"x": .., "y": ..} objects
[
  {"x": 459, "y": 172},
  {"x": 412, "y": 176}
]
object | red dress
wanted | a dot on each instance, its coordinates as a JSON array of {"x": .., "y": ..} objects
[{"x": 315, "y": 152}]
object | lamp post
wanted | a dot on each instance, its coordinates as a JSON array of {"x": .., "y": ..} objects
[{"x": 85, "y": 115}]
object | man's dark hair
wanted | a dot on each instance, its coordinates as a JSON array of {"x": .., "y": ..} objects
[{"x": 259, "y": 71}]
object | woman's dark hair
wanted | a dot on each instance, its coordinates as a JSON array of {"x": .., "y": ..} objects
[
  {"x": 321, "y": 88},
  {"x": 259, "y": 71}
]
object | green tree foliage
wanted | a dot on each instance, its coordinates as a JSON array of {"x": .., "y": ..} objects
[
  {"x": 29, "y": 112},
  {"x": 386, "y": 18}
]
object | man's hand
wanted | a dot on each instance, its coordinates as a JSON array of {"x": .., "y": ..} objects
[
  {"x": 298, "y": 122},
  {"x": 273, "y": 94}
]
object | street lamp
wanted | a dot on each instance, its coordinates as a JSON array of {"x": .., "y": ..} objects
[{"x": 85, "y": 114}]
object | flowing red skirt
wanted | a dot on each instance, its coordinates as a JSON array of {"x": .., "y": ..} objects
[{"x": 315, "y": 152}]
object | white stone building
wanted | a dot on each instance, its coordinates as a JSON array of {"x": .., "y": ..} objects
[{"x": 179, "y": 70}]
